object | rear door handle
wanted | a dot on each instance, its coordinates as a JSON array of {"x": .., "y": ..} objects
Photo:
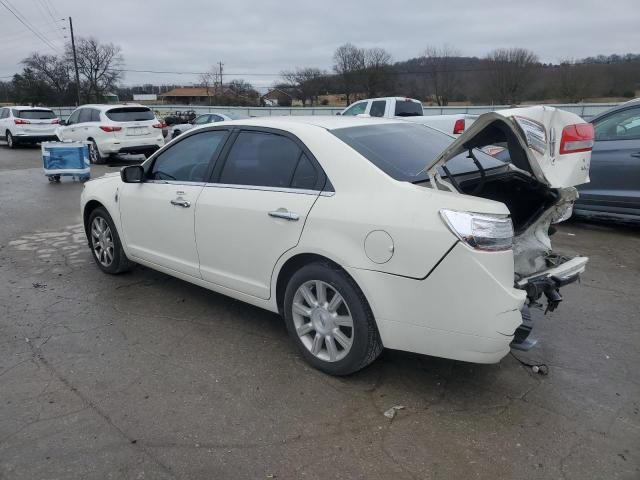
[
  {"x": 284, "y": 214},
  {"x": 181, "y": 203},
  {"x": 637, "y": 155}
]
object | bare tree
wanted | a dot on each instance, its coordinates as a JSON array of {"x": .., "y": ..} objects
[
  {"x": 443, "y": 77},
  {"x": 99, "y": 66},
  {"x": 572, "y": 80},
  {"x": 377, "y": 70},
  {"x": 348, "y": 63},
  {"x": 207, "y": 81},
  {"x": 52, "y": 70},
  {"x": 304, "y": 83},
  {"x": 510, "y": 70}
]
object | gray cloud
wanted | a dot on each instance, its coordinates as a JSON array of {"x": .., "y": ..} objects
[{"x": 268, "y": 36}]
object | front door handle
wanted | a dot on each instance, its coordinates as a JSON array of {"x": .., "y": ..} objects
[
  {"x": 637, "y": 155},
  {"x": 181, "y": 203},
  {"x": 284, "y": 214}
]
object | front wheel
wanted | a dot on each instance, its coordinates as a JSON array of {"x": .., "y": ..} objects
[
  {"x": 330, "y": 320},
  {"x": 105, "y": 243}
]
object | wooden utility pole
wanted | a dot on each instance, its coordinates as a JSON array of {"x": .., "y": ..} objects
[
  {"x": 220, "y": 65},
  {"x": 75, "y": 60}
]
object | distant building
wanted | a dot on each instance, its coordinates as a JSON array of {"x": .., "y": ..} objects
[
  {"x": 145, "y": 97},
  {"x": 276, "y": 97},
  {"x": 111, "y": 97},
  {"x": 187, "y": 95}
]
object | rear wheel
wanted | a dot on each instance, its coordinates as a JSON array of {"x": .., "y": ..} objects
[
  {"x": 105, "y": 243},
  {"x": 11, "y": 143},
  {"x": 330, "y": 320},
  {"x": 94, "y": 153}
]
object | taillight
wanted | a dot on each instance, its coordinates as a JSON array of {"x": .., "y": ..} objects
[
  {"x": 158, "y": 125},
  {"x": 458, "y": 127},
  {"x": 55, "y": 121},
  {"x": 20, "y": 121},
  {"x": 577, "y": 138},
  {"x": 482, "y": 231},
  {"x": 109, "y": 128}
]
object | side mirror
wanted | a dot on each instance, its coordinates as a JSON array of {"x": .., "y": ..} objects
[
  {"x": 338, "y": 113},
  {"x": 132, "y": 174},
  {"x": 62, "y": 122}
]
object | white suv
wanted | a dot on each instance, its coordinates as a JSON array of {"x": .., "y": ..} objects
[
  {"x": 113, "y": 129},
  {"x": 27, "y": 125}
]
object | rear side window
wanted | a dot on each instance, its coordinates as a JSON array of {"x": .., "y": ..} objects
[
  {"x": 306, "y": 175},
  {"x": 95, "y": 115},
  {"x": 377, "y": 108},
  {"x": 261, "y": 159},
  {"x": 34, "y": 114},
  {"x": 129, "y": 114},
  {"x": 187, "y": 160},
  {"x": 85, "y": 115},
  {"x": 407, "y": 108},
  {"x": 622, "y": 125}
]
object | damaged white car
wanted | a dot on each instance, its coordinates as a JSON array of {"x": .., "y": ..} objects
[{"x": 362, "y": 233}]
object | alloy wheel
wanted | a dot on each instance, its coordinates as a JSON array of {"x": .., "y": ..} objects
[
  {"x": 322, "y": 320},
  {"x": 102, "y": 241},
  {"x": 93, "y": 153}
]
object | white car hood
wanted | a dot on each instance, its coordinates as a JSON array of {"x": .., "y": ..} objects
[{"x": 535, "y": 132}]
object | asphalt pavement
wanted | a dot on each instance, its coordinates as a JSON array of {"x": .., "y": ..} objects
[{"x": 145, "y": 376}]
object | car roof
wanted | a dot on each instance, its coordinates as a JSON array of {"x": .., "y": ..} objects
[
  {"x": 26, "y": 107},
  {"x": 622, "y": 106},
  {"x": 327, "y": 122},
  {"x": 415, "y": 100},
  {"x": 109, "y": 106}
]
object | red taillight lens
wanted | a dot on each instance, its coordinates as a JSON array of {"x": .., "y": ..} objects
[
  {"x": 55, "y": 121},
  {"x": 458, "y": 127},
  {"x": 158, "y": 125},
  {"x": 109, "y": 128},
  {"x": 577, "y": 138},
  {"x": 20, "y": 121}
]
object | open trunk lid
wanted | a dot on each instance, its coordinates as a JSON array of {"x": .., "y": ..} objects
[{"x": 551, "y": 145}]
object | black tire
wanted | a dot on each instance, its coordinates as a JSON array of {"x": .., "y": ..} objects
[
  {"x": 94, "y": 154},
  {"x": 366, "y": 346},
  {"x": 11, "y": 143},
  {"x": 120, "y": 263}
]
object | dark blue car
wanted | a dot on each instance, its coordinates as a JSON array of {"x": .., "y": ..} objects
[{"x": 614, "y": 190}]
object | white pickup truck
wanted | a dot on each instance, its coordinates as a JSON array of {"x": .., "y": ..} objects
[{"x": 411, "y": 110}]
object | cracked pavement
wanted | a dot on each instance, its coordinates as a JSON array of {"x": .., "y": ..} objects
[{"x": 145, "y": 376}]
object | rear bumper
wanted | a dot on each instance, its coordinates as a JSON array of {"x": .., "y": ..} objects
[
  {"x": 466, "y": 309},
  {"x": 131, "y": 145},
  {"x": 32, "y": 138}
]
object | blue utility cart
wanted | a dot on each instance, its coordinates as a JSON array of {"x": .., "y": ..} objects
[{"x": 65, "y": 159}]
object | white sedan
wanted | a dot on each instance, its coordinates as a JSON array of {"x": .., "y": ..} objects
[
  {"x": 179, "y": 128},
  {"x": 359, "y": 232}
]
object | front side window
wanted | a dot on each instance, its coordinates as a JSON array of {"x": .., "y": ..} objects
[
  {"x": 188, "y": 160},
  {"x": 130, "y": 114},
  {"x": 377, "y": 108},
  {"x": 624, "y": 125},
  {"x": 73, "y": 118},
  {"x": 261, "y": 159},
  {"x": 356, "y": 109},
  {"x": 4, "y": 113}
]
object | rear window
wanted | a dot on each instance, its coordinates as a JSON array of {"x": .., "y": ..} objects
[
  {"x": 34, "y": 114},
  {"x": 130, "y": 114},
  {"x": 403, "y": 150},
  {"x": 407, "y": 108}
]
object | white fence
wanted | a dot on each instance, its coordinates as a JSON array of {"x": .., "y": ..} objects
[{"x": 585, "y": 110}]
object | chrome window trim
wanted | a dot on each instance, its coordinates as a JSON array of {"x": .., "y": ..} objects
[
  {"x": 301, "y": 191},
  {"x": 176, "y": 182}
]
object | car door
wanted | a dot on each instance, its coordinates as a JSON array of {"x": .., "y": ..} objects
[
  {"x": 157, "y": 215},
  {"x": 70, "y": 129},
  {"x": 4, "y": 114},
  {"x": 254, "y": 209},
  {"x": 615, "y": 163}
]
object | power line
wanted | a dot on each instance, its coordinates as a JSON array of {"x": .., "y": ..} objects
[
  {"x": 16, "y": 13},
  {"x": 46, "y": 6}
]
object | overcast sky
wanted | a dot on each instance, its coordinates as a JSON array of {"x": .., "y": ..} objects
[{"x": 256, "y": 38}]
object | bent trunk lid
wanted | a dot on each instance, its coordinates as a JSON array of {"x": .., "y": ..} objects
[{"x": 533, "y": 138}]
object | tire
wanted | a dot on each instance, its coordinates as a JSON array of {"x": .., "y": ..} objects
[
  {"x": 94, "y": 154},
  {"x": 11, "y": 143},
  {"x": 110, "y": 241},
  {"x": 322, "y": 332}
]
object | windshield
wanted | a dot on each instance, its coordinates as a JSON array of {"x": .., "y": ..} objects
[
  {"x": 407, "y": 108},
  {"x": 129, "y": 114},
  {"x": 34, "y": 114},
  {"x": 403, "y": 150}
]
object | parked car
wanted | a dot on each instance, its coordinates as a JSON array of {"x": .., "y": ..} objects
[
  {"x": 614, "y": 190},
  {"x": 113, "y": 129},
  {"x": 177, "y": 129},
  {"x": 362, "y": 233},
  {"x": 411, "y": 110},
  {"x": 27, "y": 125}
]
